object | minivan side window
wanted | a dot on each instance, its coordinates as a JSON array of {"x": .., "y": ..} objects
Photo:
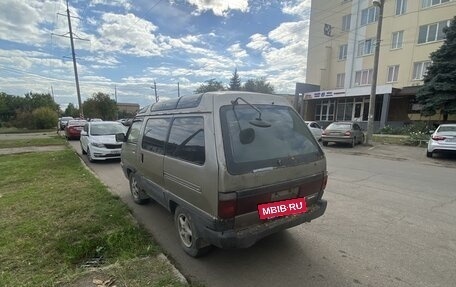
[
  {"x": 186, "y": 140},
  {"x": 133, "y": 132},
  {"x": 155, "y": 134}
]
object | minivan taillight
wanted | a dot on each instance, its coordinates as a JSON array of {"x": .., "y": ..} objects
[{"x": 227, "y": 205}]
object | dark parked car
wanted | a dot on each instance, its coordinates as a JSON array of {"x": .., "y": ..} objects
[
  {"x": 343, "y": 132},
  {"x": 64, "y": 122},
  {"x": 74, "y": 128}
]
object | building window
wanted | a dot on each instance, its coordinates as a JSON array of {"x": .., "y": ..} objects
[
  {"x": 344, "y": 109},
  {"x": 366, "y": 47},
  {"x": 340, "y": 80},
  {"x": 401, "y": 7},
  {"x": 432, "y": 32},
  {"x": 396, "y": 42},
  {"x": 369, "y": 15},
  {"x": 324, "y": 110},
  {"x": 346, "y": 22},
  {"x": 343, "y": 52},
  {"x": 420, "y": 69},
  {"x": 363, "y": 77},
  {"x": 393, "y": 72},
  {"x": 429, "y": 3}
]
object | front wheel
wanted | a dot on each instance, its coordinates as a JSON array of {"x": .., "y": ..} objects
[
  {"x": 137, "y": 193},
  {"x": 89, "y": 155},
  {"x": 189, "y": 238},
  {"x": 82, "y": 149}
]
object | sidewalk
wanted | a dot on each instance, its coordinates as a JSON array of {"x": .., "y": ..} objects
[{"x": 394, "y": 152}]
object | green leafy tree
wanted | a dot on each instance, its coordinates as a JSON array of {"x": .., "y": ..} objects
[
  {"x": 71, "y": 111},
  {"x": 100, "y": 105},
  {"x": 210, "y": 86},
  {"x": 44, "y": 118},
  {"x": 439, "y": 90},
  {"x": 258, "y": 85},
  {"x": 235, "y": 82}
]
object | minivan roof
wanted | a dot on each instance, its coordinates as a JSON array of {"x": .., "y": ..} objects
[{"x": 206, "y": 101}]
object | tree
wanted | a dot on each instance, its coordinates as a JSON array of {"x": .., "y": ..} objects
[
  {"x": 100, "y": 105},
  {"x": 235, "y": 82},
  {"x": 258, "y": 85},
  {"x": 71, "y": 111},
  {"x": 439, "y": 90},
  {"x": 211, "y": 86}
]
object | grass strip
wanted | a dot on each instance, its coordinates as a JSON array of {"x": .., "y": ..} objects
[{"x": 55, "y": 216}]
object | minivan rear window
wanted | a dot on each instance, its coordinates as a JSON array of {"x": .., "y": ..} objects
[{"x": 285, "y": 142}]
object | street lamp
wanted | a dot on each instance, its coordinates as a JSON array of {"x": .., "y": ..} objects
[{"x": 370, "y": 119}]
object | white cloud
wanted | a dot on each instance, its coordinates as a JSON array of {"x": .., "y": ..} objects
[
  {"x": 220, "y": 7},
  {"x": 291, "y": 32},
  {"x": 237, "y": 52},
  {"x": 115, "y": 3},
  {"x": 258, "y": 42},
  {"x": 297, "y": 8}
]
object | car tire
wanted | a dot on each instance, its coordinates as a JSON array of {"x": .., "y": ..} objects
[
  {"x": 89, "y": 155},
  {"x": 189, "y": 238},
  {"x": 138, "y": 195},
  {"x": 353, "y": 143},
  {"x": 82, "y": 149},
  {"x": 325, "y": 143},
  {"x": 362, "y": 140},
  {"x": 429, "y": 153}
]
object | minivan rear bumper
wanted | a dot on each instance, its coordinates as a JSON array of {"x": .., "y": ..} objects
[{"x": 247, "y": 237}]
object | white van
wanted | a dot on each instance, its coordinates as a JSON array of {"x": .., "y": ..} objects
[{"x": 233, "y": 167}]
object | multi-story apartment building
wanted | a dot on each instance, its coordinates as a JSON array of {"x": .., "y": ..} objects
[{"x": 342, "y": 39}]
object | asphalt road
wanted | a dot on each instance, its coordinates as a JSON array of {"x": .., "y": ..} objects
[{"x": 388, "y": 223}]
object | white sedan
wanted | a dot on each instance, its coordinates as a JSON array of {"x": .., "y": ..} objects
[
  {"x": 442, "y": 140},
  {"x": 98, "y": 140},
  {"x": 315, "y": 129}
]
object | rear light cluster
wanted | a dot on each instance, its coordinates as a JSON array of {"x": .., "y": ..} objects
[
  {"x": 438, "y": 138},
  {"x": 230, "y": 205},
  {"x": 347, "y": 133},
  {"x": 323, "y": 133}
]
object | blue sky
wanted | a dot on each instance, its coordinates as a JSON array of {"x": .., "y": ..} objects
[{"x": 134, "y": 42}]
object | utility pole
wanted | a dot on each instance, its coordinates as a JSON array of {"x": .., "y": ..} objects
[
  {"x": 73, "y": 55},
  {"x": 117, "y": 107},
  {"x": 155, "y": 89},
  {"x": 81, "y": 112},
  {"x": 370, "y": 118},
  {"x": 178, "y": 90}
]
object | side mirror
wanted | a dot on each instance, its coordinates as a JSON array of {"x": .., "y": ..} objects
[
  {"x": 121, "y": 137},
  {"x": 83, "y": 133}
]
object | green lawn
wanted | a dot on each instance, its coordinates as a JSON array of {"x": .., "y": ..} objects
[
  {"x": 55, "y": 216},
  {"x": 4, "y": 130}
]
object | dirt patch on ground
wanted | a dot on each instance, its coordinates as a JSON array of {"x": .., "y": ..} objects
[{"x": 6, "y": 151}]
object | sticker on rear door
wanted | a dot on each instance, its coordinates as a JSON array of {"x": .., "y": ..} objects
[{"x": 282, "y": 208}]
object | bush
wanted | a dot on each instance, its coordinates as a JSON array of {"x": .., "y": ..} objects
[
  {"x": 415, "y": 138},
  {"x": 44, "y": 118},
  {"x": 23, "y": 120}
]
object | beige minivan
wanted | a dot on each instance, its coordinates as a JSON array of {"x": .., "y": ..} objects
[{"x": 229, "y": 165}]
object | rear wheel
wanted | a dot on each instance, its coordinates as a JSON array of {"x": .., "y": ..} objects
[
  {"x": 325, "y": 143},
  {"x": 353, "y": 142},
  {"x": 139, "y": 196},
  {"x": 362, "y": 140},
  {"x": 189, "y": 238},
  {"x": 429, "y": 154}
]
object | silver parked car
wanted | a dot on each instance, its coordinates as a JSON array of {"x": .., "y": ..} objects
[
  {"x": 442, "y": 140},
  {"x": 316, "y": 129},
  {"x": 343, "y": 132},
  {"x": 98, "y": 140}
]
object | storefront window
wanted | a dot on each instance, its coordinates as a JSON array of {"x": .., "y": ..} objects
[{"x": 324, "y": 110}]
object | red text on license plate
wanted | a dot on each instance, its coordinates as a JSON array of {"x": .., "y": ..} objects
[{"x": 282, "y": 208}]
